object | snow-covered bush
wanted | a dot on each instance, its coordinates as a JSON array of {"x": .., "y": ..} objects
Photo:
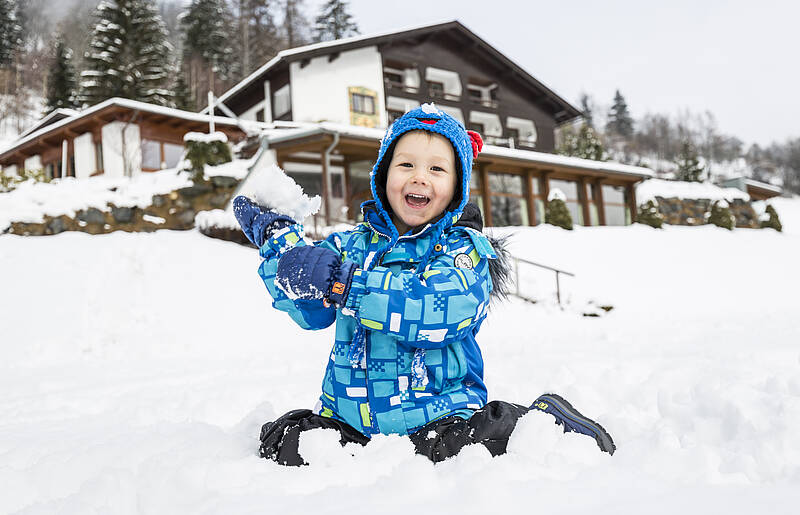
[
  {"x": 556, "y": 212},
  {"x": 771, "y": 219},
  {"x": 649, "y": 215},
  {"x": 9, "y": 182},
  {"x": 721, "y": 216},
  {"x": 206, "y": 149}
]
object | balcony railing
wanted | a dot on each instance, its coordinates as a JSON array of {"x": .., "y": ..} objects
[
  {"x": 395, "y": 87},
  {"x": 484, "y": 102}
]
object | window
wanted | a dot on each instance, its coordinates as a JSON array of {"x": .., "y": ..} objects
[
  {"x": 513, "y": 134},
  {"x": 72, "y": 165},
  {"x": 260, "y": 115},
  {"x": 362, "y": 103},
  {"x": 282, "y": 102},
  {"x": 475, "y": 94},
  {"x": 172, "y": 154},
  {"x": 394, "y": 115},
  {"x": 570, "y": 190},
  {"x": 151, "y": 155},
  {"x": 394, "y": 78},
  {"x": 616, "y": 207},
  {"x": 49, "y": 169},
  {"x": 436, "y": 89},
  {"x": 509, "y": 206},
  {"x": 477, "y": 127}
]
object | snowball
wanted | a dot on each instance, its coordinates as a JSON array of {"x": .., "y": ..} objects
[{"x": 274, "y": 189}]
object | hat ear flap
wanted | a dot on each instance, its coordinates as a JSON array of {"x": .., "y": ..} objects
[{"x": 477, "y": 143}]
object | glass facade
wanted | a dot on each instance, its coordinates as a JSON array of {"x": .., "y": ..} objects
[
  {"x": 616, "y": 207},
  {"x": 509, "y": 206},
  {"x": 570, "y": 190}
]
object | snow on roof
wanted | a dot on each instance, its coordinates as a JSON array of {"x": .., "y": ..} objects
[
  {"x": 763, "y": 185},
  {"x": 315, "y": 46},
  {"x": 135, "y": 105},
  {"x": 61, "y": 111},
  {"x": 276, "y": 136},
  {"x": 650, "y": 189}
]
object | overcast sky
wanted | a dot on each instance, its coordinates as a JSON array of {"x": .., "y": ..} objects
[{"x": 738, "y": 59}]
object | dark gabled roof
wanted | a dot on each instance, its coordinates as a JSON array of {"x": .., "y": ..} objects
[{"x": 568, "y": 111}]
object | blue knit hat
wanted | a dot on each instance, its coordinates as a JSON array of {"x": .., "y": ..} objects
[{"x": 428, "y": 117}]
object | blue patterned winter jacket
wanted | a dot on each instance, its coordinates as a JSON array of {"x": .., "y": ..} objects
[{"x": 414, "y": 325}]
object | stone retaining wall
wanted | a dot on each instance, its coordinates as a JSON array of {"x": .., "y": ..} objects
[
  {"x": 174, "y": 210},
  {"x": 677, "y": 211}
]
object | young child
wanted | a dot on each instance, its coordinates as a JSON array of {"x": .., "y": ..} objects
[{"x": 408, "y": 289}]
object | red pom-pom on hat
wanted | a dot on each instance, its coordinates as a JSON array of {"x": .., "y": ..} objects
[{"x": 477, "y": 143}]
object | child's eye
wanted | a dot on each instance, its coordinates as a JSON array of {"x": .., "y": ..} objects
[
  {"x": 406, "y": 165},
  {"x": 438, "y": 169}
]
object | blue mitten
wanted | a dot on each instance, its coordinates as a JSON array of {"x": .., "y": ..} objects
[
  {"x": 258, "y": 223},
  {"x": 309, "y": 272}
]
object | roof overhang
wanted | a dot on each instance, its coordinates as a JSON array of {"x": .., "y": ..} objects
[
  {"x": 316, "y": 136},
  {"x": 110, "y": 110},
  {"x": 567, "y": 112}
]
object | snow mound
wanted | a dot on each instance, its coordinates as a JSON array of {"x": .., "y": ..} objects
[{"x": 652, "y": 188}]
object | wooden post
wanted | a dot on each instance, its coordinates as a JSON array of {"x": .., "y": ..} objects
[
  {"x": 485, "y": 193},
  {"x": 529, "y": 197},
  {"x": 346, "y": 193},
  {"x": 599, "y": 202},
  {"x": 326, "y": 195},
  {"x": 631, "y": 189},
  {"x": 583, "y": 198},
  {"x": 544, "y": 186}
]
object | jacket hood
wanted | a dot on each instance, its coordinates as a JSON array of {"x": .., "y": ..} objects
[{"x": 466, "y": 145}]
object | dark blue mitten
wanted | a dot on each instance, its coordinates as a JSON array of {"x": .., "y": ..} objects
[
  {"x": 308, "y": 272},
  {"x": 258, "y": 223}
]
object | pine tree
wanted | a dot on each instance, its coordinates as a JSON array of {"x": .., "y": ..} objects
[
  {"x": 721, "y": 215},
  {"x": 207, "y": 44},
  {"x": 689, "y": 168},
  {"x": 61, "y": 83},
  {"x": 294, "y": 23},
  {"x": 585, "y": 144},
  {"x": 258, "y": 40},
  {"x": 649, "y": 214},
  {"x": 128, "y": 54},
  {"x": 619, "y": 122},
  {"x": 586, "y": 109},
  {"x": 772, "y": 221},
  {"x": 11, "y": 31},
  {"x": 556, "y": 212},
  {"x": 181, "y": 93},
  {"x": 334, "y": 22}
]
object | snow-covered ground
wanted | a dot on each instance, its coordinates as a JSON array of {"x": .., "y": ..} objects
[{"x": 136, "y": 370}]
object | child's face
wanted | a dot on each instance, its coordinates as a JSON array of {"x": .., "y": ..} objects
[{"x": 421, "y": 179}]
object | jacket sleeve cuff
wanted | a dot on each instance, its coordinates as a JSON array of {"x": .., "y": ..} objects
[
  {"x": 358, "y": 288},
  {"x": 282, "y": 241}
]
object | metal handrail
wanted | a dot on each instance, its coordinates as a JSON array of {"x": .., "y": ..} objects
[{"x": 557, "y": 271}]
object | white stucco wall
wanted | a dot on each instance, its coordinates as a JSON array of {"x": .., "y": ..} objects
[
  {"x": 319, "y": 90},
  {"x": 34, "y": 163},
  {"x": 84, "y": 156},
  {"x": 250, "y": 114},
  {"x": 10, "y": 171},
  {"x": 113, "y": 159}
]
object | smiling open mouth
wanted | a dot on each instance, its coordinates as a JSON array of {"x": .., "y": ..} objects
[{"x": 415, "y": 200}]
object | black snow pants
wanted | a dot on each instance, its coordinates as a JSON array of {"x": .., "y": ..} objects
[{"x": 490, "y": 426}]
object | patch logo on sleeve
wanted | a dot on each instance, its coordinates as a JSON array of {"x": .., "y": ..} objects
[{"x": 463, "y": 261}]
